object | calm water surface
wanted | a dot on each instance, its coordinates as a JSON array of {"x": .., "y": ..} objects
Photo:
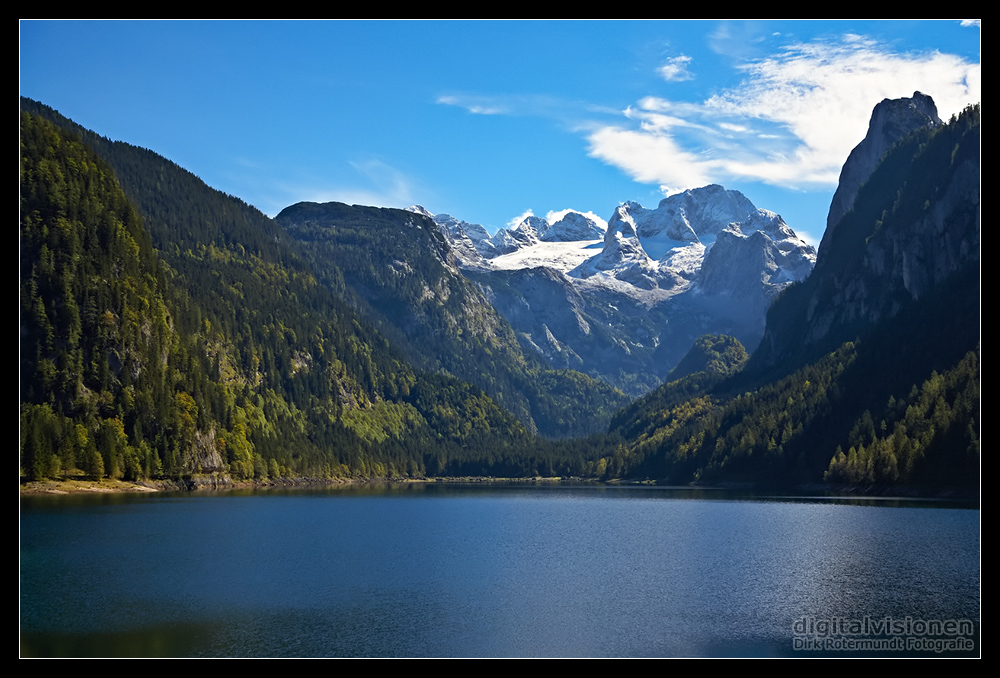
[{"x": 486, "y": 571}]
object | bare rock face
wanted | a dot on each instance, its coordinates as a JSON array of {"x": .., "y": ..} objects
[
  {"x": 203, "y": 455},
  {"x": 528, "y": 232},
  {"x": 756, "y": 257},
  {"x": 623, "y": 255},
  {"x": 627, "y": 306},
  {"x": 749, "y": 265},
  {"x": 914, "y": 228},
  {"x": 892, "y": 119},
  {"x": 468, "y": 241}
]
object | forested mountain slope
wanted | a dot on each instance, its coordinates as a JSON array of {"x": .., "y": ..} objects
[
  {"x": 108, "y": 383},
  {"x": 169, "y": 330},
  {"x": 204, "y": 342},
  {"x": 869, "y": 369},
  {"x": 401, "y": 272}
]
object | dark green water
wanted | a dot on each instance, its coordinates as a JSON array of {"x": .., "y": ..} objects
[{"x": 490, "y": 571}]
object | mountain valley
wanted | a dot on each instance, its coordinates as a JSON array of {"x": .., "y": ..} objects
[{"x": 169, "y": 330}]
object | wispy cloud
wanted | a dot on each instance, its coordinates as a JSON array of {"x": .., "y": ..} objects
[
  {"x": 380, "y": 184},
  {"x": 739, "y": 40},
  {"x": 792, "y": 121},
  {"x": 541, "y": 105},
  {"x": 676, "y": 69},
  {"x": 519, "y": 218},
  {"x": 480, "y": 105}
]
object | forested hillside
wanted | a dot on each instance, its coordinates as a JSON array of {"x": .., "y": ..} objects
[
  {"x": 108, "y": 384},
  {"x": 869, "y": 370},
  {"x": 400, "y": 271},
  {"x": 188, "y": 334},
  {"x": 172, "y": 331}
]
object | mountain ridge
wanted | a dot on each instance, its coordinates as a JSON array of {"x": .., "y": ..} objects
[
  {"x": 868, "y": 373},
  {"x": 649, "y": 310},
  {"x": 277, "y": 376},
  {"x": 287, "y": 362},
  {"x": 400, "y": 263}
]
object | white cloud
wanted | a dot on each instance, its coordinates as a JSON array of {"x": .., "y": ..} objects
[
  {"x": 381, "y": 185},
  {"x": 806, "y": 107},
  {"x": 675, "y": 70},
  {"x": 518, "y": 219},
  {"x": 473, "y": 104},
  {"x": 972, "y": 22},
  {"x": 650, "y": 157},
  {"x": 511, "y": 104}
]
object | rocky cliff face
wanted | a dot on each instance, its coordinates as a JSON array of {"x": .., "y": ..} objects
[
  {"x": 892, "y": 119},
  {"x": 754, "y": 260},
  {"x": 624, "y": 302},
  {"x": 471, "y": 242},
  {"x": 622, "y": 256},
  {"x": 913, "y": 225}
]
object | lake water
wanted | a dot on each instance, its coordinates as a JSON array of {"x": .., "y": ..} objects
[{"x": 496, "y": 571}]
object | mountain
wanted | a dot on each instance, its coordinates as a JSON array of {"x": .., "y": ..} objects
[
  {"x": 172, "y": 331},
  {"x": 891, "y": 120},
  {"x": 868, "y": 373},
  {"x": 105, "y": 387},
  {"x": 624, "y": 300},
  {"x": 401, "y": 269},
  {"x": 914, "y": 223}
]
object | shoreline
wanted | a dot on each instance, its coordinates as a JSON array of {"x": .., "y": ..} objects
[
  {"x": 223, "y": 482},
  {"x": 208, "y": 482}
]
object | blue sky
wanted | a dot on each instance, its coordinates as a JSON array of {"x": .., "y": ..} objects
[{"x": 487, "y": 120}]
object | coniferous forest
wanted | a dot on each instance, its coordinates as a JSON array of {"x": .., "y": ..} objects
[{"x": 170, "y": 331}]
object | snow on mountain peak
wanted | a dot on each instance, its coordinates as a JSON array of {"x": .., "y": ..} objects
[
  {"x": 662, "y": 248},
  {"x": 574, "y": 226},
  {"x": 419, "y": 209},
  {"x": 703, "y": 261}
]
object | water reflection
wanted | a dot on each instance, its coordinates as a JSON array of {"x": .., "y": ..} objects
[{"x": 438, "y": 569}]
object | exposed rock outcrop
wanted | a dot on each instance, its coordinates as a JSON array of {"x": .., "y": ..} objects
[
  {"x": 626, "y": 304},
  {"x": 892, "y": 119},
  {"x": 914, "y": 224}
]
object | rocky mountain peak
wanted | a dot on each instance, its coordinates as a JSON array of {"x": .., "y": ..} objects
[
  {"x": 574, "y": 226},
  {"x": 622, "y": 254},
  {"x": 644, "y": 285},
  {"x": 532, "y": 228},
  {"x": 420, "y": 209},
  {"x": 698, "y": 212},
  {"x": 892, "y": 119},
  {"x": 767, "y": 221},
  {"x": 623, "y": 222},
  {"x": 913, "y": 228}
]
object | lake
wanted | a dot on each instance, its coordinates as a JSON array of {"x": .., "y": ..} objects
[{"x": 444, "y": 570}]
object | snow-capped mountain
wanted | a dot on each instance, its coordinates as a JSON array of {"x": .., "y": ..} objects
[
  {"x": 640, "y": 288},
  {"x": 667, "y": 247}
]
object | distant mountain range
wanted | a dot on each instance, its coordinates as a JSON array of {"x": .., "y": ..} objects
[{"x": 623, "y": 301}]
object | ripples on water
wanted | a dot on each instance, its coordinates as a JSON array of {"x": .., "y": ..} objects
[{"x": 433, "y": 570}]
